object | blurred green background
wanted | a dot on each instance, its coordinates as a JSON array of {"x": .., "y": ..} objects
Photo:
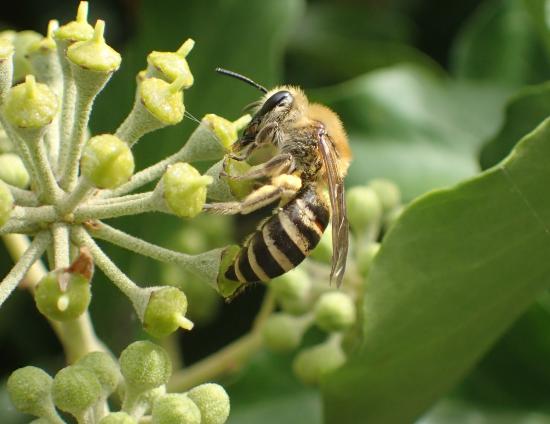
[{"x": 430, "y": 93}]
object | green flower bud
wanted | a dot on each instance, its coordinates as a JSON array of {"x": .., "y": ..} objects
[
  {"x": 117, "y": 418},
  {"x": 29, "y": 390},
  {"x": 387, "y": 192},
  {"x": 105, "y": 369},
  {"x": 107, "y": 161},
  {"x": 185, "y": 189},
  {"x": 292, "y": 291},
  {"x": 365, "y": 258},
  {"x": 225, "y": 130},
  {"x": 312, "y": 363},
  {"x": 145, "y": 366},
  {"x": 163, "y": 100},
  {"x": 79, "y": 29},
  {"x": 45, "y": 45},
  {"x": 323, "y": 250},
  {"x": 75, "y": 389},
  {"x": 283, "y": 332},
  {"x": 234, "y": 168},
  {"x": 30, "y": 104},
  {"x": 364, "y": 208},
  {"x": 94, "y": 54},
  {"x": 170, "y": 66},
  {"x": 212, "y": 401},
  {"x": 62, "y": 305},
  {"x": 165, "y": 312},
  {"x": 13, "y": 171},
  {"x": 175, "y": 408},
  {"x": 334, "y": 311},
  {"x": 22, "y": 41},
  {"x": 6, "y": 203}
]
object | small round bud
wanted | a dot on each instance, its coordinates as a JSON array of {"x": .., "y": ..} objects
[
  {"x": 107, "y": 161},
  {"x": 387, "y": 192},
  {"x": 314, "y": 362},
  {"x": 212, "y": 401},
  {"x": 364, "y": 208},
  {"x": 175, "y": 408},
  {"x": 292, "y": 291},
  {"x": 117, "y": 418},
  {"x": 79, "y": 29},
  {"x": 282, "y": 332},
  {"x": 234, "y": 168},
  {"x": 365, "y": 258},
  {"x": 185, "y": 189},
  {"x": 105, "y": 369},
  {"x": 29, "y": 390},
  {"x": 30, "y": 104},
  {"x": 6, "y": 203},
  {"x": 62, "y": 305},
  {"x": 94, "y": 54},
  {"x": 171, "y": 65},
  {"x": 145, "y": 366},
  {"x": 334, "y": 311},
  {"x": 163, "y": 100},
  {"x": 45, "y": 45},
  {"x": 225, "y": 130},
  {"x": 13, "y": 171},
  {"x": 165, "y": 312},
  {"x": 75, "y": 389}
]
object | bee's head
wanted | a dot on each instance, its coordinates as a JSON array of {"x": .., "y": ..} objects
[{"x": 281, "y": 103}]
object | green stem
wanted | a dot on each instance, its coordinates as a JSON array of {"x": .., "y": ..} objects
[
  {"x": 76, "y": 196},
  {"x": 18, "y": 227},
  {"x": 198, "y": 264},
  {"x": 31, "y": 255},
  {"x": 34, "y": 215},
  {"x": 125, "y": 285},
  {"x": 23, "y": 197},
  {"x": 105, "y": 211},
  {"x": 60, "y": 234},
  {"x": 226, "y": 360}
]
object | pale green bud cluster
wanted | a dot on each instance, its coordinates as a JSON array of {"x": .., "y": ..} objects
[{"x": 141, "y": 373}]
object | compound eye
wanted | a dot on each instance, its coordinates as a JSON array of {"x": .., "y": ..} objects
[{"x": 281, "y": 98}]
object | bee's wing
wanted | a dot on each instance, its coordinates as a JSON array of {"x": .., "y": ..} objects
[{"x": 340, "y": 227}]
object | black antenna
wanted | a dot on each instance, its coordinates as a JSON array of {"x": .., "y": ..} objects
[{"x": 242, "y": 78}]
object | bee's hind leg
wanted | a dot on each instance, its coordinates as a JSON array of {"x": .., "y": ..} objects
[
  {"x": 277, "y": 165},
  {"x": 282, "y": 187}
]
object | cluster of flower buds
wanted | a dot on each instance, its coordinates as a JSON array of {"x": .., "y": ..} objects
[
  {"x": 141, "y": 374},
  {"x": 58, "y": 183},
  {"x": 307, "y": 302}
]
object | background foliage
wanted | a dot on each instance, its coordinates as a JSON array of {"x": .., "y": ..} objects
[{"x": 431, "y": 93}]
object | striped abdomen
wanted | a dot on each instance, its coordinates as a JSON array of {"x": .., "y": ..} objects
[{"x": 284, "y": 240}]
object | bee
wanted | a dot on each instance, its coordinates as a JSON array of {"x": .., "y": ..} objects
[{"x": 311, "y": 154}]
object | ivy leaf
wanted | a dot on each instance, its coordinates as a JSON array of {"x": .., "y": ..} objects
[
  {"x": 501, "y": 44},
  {"x": 524, "y": 111},
  {"x": 452, "y": 275}
]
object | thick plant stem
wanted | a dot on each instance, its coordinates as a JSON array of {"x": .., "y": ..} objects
[
  {"x": 60, "y": 233},
  {"x": 225, "y": 360},
  {"x": 76, "y": 196},
  {"x": 23, "y": 264}
]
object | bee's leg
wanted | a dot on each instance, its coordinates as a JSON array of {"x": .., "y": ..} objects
[
  {"x": 281, "y": 188},
  {"x": 277, "y": 165}
]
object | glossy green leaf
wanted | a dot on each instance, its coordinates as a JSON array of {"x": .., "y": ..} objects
[
  {"x": 455, "y": 271},
  {"x": 501, "y": 44},
  {"x": 538, "y": 9},
  {"x": 524, "y": 112},
  {"x": 414, "y": 127}
]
